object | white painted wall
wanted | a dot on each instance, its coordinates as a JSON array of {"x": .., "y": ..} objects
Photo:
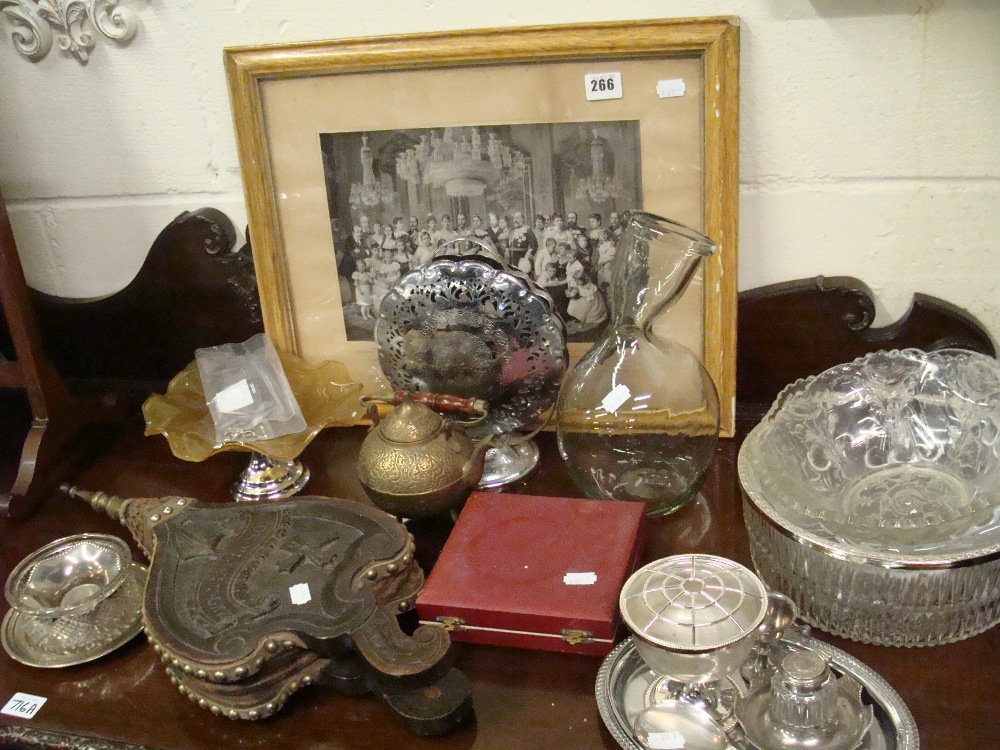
[{"x": 869, "y": 144}]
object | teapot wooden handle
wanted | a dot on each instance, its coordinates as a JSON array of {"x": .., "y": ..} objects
[{"x": 443, "y": 403}]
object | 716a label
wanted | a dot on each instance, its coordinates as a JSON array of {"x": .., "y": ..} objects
[
  {"x": 603, "y": 86},
  {"x": 23, "y": 705}
]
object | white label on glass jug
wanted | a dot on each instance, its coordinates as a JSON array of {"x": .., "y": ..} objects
[{"x": 616, "y": 397}]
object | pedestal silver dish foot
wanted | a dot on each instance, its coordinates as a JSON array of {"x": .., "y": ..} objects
[
  {"x": 508, "y": 463},
  {"x": 266, "y": 479}
]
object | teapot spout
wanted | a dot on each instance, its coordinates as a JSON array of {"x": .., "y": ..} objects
[{"x": 472, "y": 470}]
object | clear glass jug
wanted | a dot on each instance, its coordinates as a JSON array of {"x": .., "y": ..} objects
[{"x": 638, "y": 417}]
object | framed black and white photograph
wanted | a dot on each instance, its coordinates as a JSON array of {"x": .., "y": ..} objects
[
  {"x": 361, "y": 158},
  {"x": 547, "y": 197}
]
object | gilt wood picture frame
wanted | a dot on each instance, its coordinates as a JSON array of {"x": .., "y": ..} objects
[{"x": 335, "y": 134}]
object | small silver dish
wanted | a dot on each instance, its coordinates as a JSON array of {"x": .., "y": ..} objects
[{"x": 73, "y": 600}]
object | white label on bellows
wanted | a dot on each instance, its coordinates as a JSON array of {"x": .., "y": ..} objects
[
  {"x": 580, "y": 579},
  {"x": 600, "y": 86},
  {"x": 23, "y": 705},
  {"x": 616, "y": 397},
  {"x": 666, "y": 740},
  {"x": 670, "y": 88},
  {"x": 300, "y": 593},
  {"x": 234, "y": 398}
]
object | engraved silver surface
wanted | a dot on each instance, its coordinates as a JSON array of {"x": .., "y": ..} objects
[
  {"x": 693, "y": 602},
  {"x": 68, "y": 576},
  {"x": 472, "y": 327},
  {"x": 624, "y": 681},
  {"x": 74, "y": 639}
]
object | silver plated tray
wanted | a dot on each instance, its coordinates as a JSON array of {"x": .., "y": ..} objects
[
  {"x": 65, "y": 641},
  {"x": 624, "y": 683},
  {"x": 469, "y": 326}
]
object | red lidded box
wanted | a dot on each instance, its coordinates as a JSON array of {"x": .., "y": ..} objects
[{"x": 535, "y": 572}]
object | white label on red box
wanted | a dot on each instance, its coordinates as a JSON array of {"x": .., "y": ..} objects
[
  {"x": 23, "y": 705},
  {"x": 580, "y": 579}
]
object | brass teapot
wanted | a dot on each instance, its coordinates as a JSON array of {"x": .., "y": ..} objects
[{"x": 414, "y": 463}]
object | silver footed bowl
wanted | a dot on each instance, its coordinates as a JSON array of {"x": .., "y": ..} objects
[
  {"x": 72, "y": 600},
  {"x": 881, "y": 477}
]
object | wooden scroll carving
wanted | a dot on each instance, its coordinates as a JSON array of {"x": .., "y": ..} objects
[{"x": 799, "y": 328}]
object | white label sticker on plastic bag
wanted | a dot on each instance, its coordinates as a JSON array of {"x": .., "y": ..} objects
[
  {"x": 234, "y": 398},
  {"x": 580, "y": 579},
  {"x": 616, "y": 397},
  {"x": 666, "y": 740},
  {"x": 670, "y": 88},
  {"x": 23, "y": 705},
  {"x": 300, "y": 593},
  {"x": 603, "y": 86}
]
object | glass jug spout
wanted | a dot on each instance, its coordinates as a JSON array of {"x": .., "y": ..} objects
[{"x": 655, "y": 261}]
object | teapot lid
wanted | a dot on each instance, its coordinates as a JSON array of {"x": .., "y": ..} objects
[
  {"x": 411, "y": 422},
  {"x": 693, "y": 602}
]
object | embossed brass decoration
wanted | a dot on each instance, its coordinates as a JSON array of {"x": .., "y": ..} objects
[
  {"x": 247, "y": 604},
  {"x": 415, "y": 464}
]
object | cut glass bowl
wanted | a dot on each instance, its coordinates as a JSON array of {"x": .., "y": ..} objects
[{"x": 872, "y": 496}]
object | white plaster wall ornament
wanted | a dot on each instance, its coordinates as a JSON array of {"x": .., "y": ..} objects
[{"x": 35, "y": 22}]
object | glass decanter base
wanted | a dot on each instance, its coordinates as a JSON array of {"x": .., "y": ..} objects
[{"x": 663, "y": 471}]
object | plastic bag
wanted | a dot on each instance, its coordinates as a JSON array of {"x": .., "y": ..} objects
[{"x": 247, "y": 392}]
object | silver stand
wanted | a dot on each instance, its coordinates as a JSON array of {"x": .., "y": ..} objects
[{"x": 267, "y": 479}]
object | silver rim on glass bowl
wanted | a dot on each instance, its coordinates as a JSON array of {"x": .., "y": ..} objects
[{"x": 872, "y": 497}]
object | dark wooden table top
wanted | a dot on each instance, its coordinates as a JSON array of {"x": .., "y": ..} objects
[{"x": 523, "y": 699}]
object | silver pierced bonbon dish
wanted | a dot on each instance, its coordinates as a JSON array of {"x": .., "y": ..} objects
[{"x": 470, "y": 327}]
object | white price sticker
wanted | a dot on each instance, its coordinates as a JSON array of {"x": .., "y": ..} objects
[
  {"x": 300, "y": 593},
  {"x": 603, "y": 86},
  {"x": 616, "y": 397},
  {"x": 666, "y": 740},
  {"x": 234, "y": 398},
  {"x": 670, "y": 87},
  {"x": 23, "y": 705},
  {"x": 580, "y": 579}
]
